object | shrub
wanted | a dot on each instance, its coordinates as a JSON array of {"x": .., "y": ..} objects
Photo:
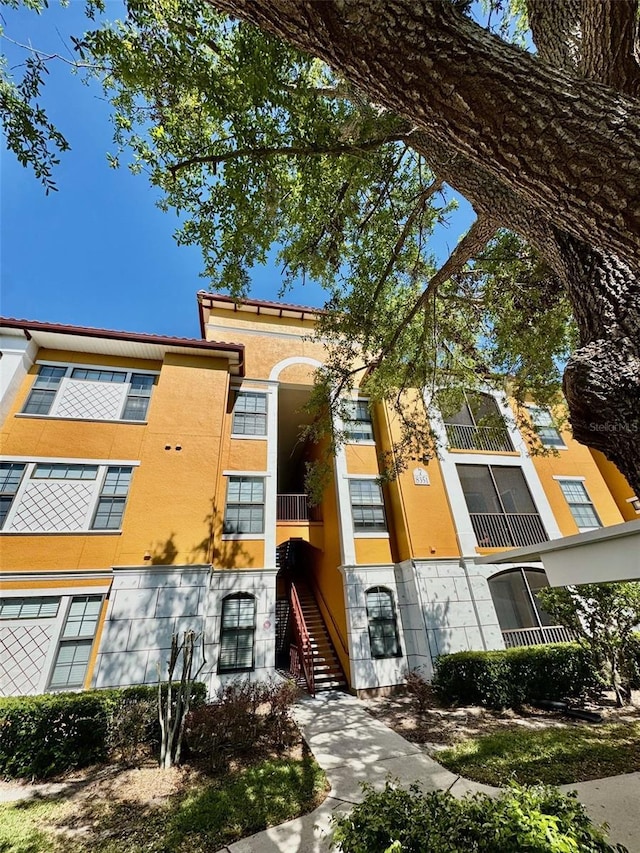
[
  {"x": 244, "y": 716},
  {"x": 509, "y": 678},
  {"x": 44, "y": 735},
  {"x": 420, "y": 689},
  {"x": 536, "y": 820},
  {"x": 41, "y": 736}
]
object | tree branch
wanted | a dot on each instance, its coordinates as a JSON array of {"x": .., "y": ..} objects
[
  {"x": 474, "y": 240},
  {"x": 423, "y": 198},
  {"x": 568, "y": 147},
  {"x": 337, "y": 150},
  {"x": 556, "y": 30},
  {"x": 609, "y": 44}
]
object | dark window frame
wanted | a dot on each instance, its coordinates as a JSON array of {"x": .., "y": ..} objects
[
  {"x": 236, "y": 633},
  {"x": 384, "y": 622}
]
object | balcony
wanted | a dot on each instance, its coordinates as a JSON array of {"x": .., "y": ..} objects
[
  {"x": 296, "y": 508},
  {"x": 484, "y": 438},
  {"x": 508, "y": 530},
  {"x": 537, "y": 636}
]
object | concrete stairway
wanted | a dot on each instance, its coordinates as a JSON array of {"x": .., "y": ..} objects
[{"x": 327, "y": 672}]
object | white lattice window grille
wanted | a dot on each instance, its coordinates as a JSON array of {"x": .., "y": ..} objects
[
  {"x": 545, "y": 427},
  {"x": 74, "y": 651},
  {"x": 580, "y": 504},
  {"x": 237, "y": 633},
  {"x": 383, "y": 628},
  {"x": 59, "y": 497},
  {"x": 358, "y": 425},
  {"x": 10, "y": 477},
  {"x": 367, "y": 505},
  {"x": 244, "y": 512},
  {"x": 90, "y": 393},
  {"x": 249, "y": 413},
  {"x": 33, "y": 607}
]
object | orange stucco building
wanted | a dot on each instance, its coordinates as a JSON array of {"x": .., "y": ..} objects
[{"x": 151, "y": 485}]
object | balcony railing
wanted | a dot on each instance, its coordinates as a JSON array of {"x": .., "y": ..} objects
[
  {"x": 509, "y": 530},
  {"x": 296, "y": 508},
  {"x": 487, "y": 438},
  {"x": 537, "y": 636}
]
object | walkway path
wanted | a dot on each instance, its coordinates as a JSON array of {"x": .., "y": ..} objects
[{"x": 352, "y": 747}]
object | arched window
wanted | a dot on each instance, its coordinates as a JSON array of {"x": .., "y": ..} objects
[
  {"x": 237, "y": 633},
  {"x": 383, "y": 629},
  {"x": 522, "y": 619},
  {"x": 477, "y": 425}
]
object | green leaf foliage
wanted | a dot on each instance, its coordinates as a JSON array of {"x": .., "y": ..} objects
[
  {"x": 605, "y": 616},
  {"x": 513, "y": 677},
  {"x": 265, "y": 153},
  {"x": 42, "y": 736},
  {"x": 529, "y": 820}
]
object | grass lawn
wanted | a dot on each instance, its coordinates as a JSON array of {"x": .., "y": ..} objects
[
  {"x": 555, "y": 756},
  {"x": 203, "y": 818}
]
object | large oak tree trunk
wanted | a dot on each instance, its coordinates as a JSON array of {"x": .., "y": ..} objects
[
  {"x": 602, "y": 378},
  {"x": 566, "y": 146},
  {"x": 531, "y": 143}
]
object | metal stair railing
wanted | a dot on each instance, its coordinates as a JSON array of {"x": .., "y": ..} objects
[{"x": 301, "y": 651}]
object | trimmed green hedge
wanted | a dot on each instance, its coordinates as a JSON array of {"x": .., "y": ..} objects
[
  {"x": 41, "y": 736},
  {"x": 512, "y": 677},
  {"x": 536, "y": 820}
]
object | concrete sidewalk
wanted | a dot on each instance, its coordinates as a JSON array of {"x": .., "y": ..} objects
[{"x": 352, "y": 747}]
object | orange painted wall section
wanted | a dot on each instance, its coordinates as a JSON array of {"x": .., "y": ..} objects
[
  {"x": 246, "y": 454},
  {"x": 620, "y": 489},
  {"x": 575, "y": 461},
  {"x": 361, "y": 459},
  {"x": 171, "y": 510},
  {"x": 420, "y": 515},
  {"x": 268, "y": 341},
  {"x": 373, "y": 551}
]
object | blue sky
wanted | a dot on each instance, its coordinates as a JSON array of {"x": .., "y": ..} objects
[{"x": 99, "y": 252}]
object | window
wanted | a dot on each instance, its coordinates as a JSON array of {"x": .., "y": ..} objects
[
  {"x": 237, "y": 633},
  {"x": 580, "y": 504},
  {"x": 250, "y": 413},
  {"x": 514, "y": 597},
  {"x": 98, "y": 375},
  {"x": 383, "y": 629},
  {"x": 477, "y": 425},
  {"x": 68, "y": 392},
  {"x": 51, "y": 497},
  {"x": 500, "y": 505},
  {"x": 245, "y": 505},
  {"x": 60, "y": 471},
  {"x": 635, "y": 503},
  {"x": 113, "y": 498},
  {"x": 357, "y": 423},
  {"x": 10, "y": 477},
  {"x": 44, "y": 390},
  {"x": 35, "y": 607},
  {"x": 367, "y": 505},
  {"x": 545, "y": 427},
  {"x": 70, "y": 667},
  {"x": 135, "y": 408}
]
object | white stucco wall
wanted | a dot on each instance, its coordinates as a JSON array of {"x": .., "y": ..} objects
[
  {"x": 369, "y": 673},
  {"x": 147, "y": 606},
  {"x": 456, "y": 606}
]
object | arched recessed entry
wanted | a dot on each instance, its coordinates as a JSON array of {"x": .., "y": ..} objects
[
  {"x": 523, "y": 620},
  {"x": 295, "y": 381}
]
